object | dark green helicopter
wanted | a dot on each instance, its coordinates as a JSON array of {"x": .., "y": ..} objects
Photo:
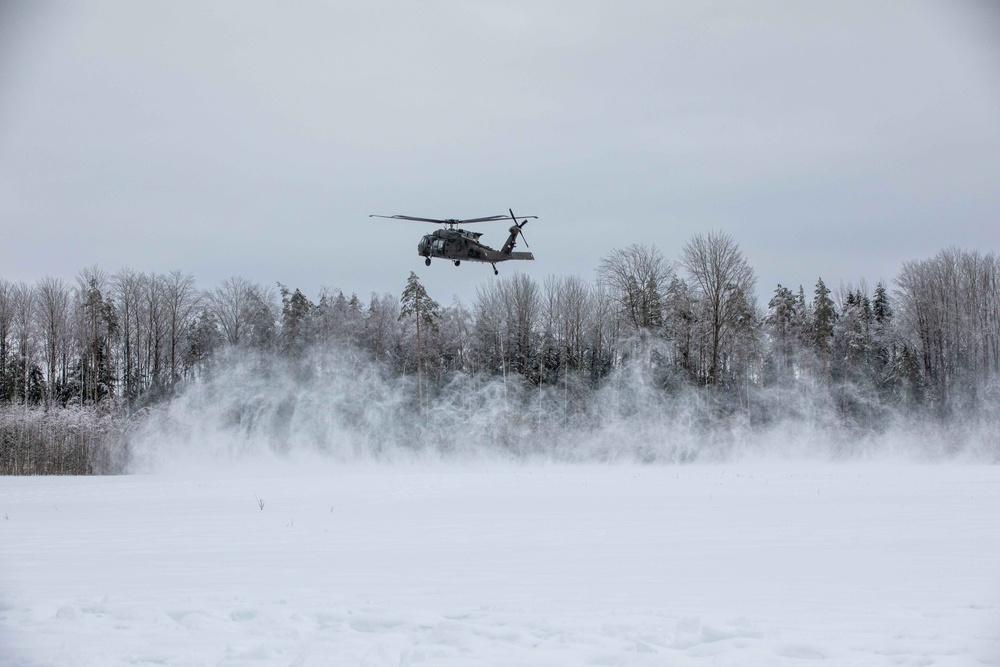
[{"x": 459, "y": 245}]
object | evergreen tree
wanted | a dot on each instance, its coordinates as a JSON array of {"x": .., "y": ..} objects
[
  {"x": 680, "y": 325},
  {"x": 261, "y": 320},
  {"x": 296, "y": 327},
  {"x": 203, "y": 339},
  {"x": 327, "y": 313},
  {"x": 424, "y": 310},
  {"x": 851, "y": 364},
  {"x": 93, "y": 377},
  {"x": 881, "y": 309},
  {"x": 883, "y": 337},
  {"x": 803, "y": 320},
  {"x": 29, "y": 387},
  {"x": 852, "y": 331},
  {"x": 354, "y": 320},
  {"x": 823, "y": 318},
  {"x": 780, "y": 320},
  {"x": 415, "y": 303}
]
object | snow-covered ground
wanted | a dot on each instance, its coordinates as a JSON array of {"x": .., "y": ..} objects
[{"x": 505, "y": 564}]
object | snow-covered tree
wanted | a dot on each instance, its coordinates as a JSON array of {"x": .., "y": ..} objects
[
  {"x": 636, "y": 276},
  {"x": 6, "y": 330},
  {"x": 780, "y": 323},
  {"x": 725, "y": 284},
  {"x": 240, "y": 308},
  {"x": 96, "y": 334},
  {"x": 181, "y": 298},
  {"x": 950, "y": 315},
  {"x": 424, "y": 312},
  {"x": 53, "y": 305},
  {"x": 382, "y": 334},
  {"x": 203, "y": 339},
  {"x": 297, "y": 328},
  {"x": 824, "y": 316}
]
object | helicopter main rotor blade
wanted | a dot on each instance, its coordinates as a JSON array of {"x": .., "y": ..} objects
[
  {"x": 408, "y": 217},
  {"x": 492, "y": 218}
]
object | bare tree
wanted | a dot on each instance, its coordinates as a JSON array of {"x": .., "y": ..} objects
[
  {"x": 53, "y": 313},
  {"x": 949, "y": 311},
  {"x": 154, "y": 330},
  {"x": 566, "y": 311},
  {"x": 127, "y": 286},
  {"x": 507, "y": 315},
  {"x": 523, "y": 307},
  {"x": 231, "y": 304},
  {"x": 6, "y": 325},
  {"x": 636, "y": 276},
  {"x": 725, "y": 283},
  {"x": 25, "y": 300},
  {"x": 605, "y": 331},
  {"x": 181, "y": 300},
  {"x": 489, "y": 326}
]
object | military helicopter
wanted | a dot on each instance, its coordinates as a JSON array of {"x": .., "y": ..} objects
[{"x": 460, "y": 245}]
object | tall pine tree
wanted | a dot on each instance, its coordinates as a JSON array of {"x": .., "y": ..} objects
[
  {"x": 425, "y": 311},
  {"x": 824, "y": 317},
  {"x": 296, "y": 330}
]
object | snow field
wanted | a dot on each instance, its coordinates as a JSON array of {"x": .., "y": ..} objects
[{"x": 499, "y": 564}]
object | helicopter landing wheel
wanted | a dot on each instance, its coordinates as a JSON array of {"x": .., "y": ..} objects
[
  {"x": 495, "y": 271},
  {"x": 457, "y": 262},
  {"x": 427, "y": 261}
]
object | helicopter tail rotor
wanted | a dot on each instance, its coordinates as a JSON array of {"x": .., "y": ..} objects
[{"x": 517, "y": 230}]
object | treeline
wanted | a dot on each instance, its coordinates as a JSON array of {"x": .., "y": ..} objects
[{"x": 79, "y": 362}]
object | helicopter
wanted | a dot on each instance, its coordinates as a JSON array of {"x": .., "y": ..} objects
[{"x": 460, "y": 245}]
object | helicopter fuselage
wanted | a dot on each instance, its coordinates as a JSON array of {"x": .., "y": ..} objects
[{"x": 460, "y": 245}]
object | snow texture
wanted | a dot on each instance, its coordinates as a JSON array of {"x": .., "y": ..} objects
[{"x": 501, "y": 564}]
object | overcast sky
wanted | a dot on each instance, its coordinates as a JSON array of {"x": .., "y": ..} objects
[{"x": 834, "y": 139}]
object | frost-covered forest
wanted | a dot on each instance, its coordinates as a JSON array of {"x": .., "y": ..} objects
[{"x": 657, "y": 358}]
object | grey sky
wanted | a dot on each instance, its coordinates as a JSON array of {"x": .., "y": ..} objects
[{"x": 833, "y": 139}]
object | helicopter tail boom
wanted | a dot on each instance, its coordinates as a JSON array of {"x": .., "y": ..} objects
[{"x": 494, "y": 256}]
